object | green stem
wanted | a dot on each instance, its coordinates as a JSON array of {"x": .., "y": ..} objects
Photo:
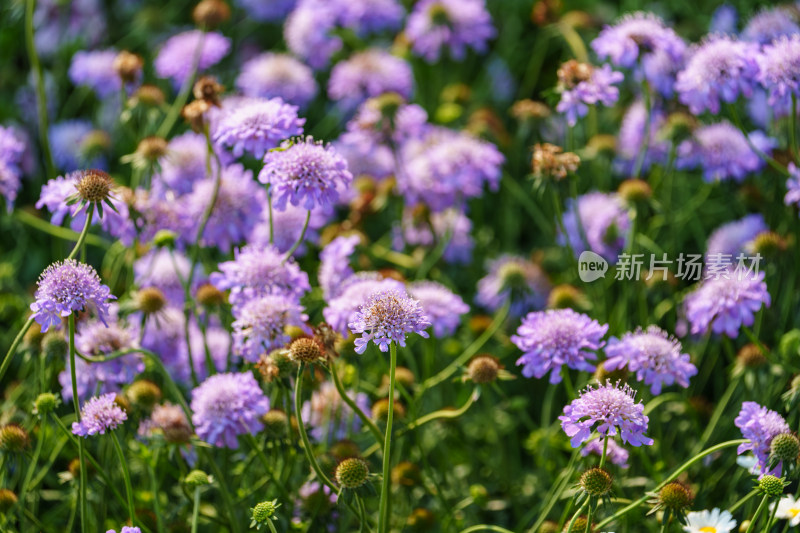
[
  {"x": 32, "y": 465},
  {"x": 268, "y": 467},
  {"x": 195, "y": 508},
  {"x": 605, "y": 449},
  {"x": 177, "y": 106},
  {"x": 771, "y": 517},
  {"x": 637, "y": 170},
  {"x": 299, "y": 241},
  {"x": 575, "y": 517},
  {"x": 486, "y": 527},
  {"x": 126, "y": 476},
  {"x": 717, "y": 415},
  {"x": 41, "y": 96},
  {"x": 57, "y": 231},
  {"x": 362, "y": 514},
  {"x": 793, "y": 128},
  {"x": 758, "y": 513},
  {"x": 350, "y": 403},
  {"x": 685, "y": 466},
  {"x": 84, "y": 231},
  {"x": 743, "y": 500},
  {"x": 592, "y": 506},
  {"x": 383, "y": 515},
  {"x": 223, "y": 489},
  {"x": 9, "y": 354},
  {"x": 271, "y": 224},
  {"x": 77, "y": 405},
  {"x": 769, "y": 160},
  {"x": 154, "y": 489},
  {"x": 754, "y": 339},
  {"x": 298, "y": 390}
]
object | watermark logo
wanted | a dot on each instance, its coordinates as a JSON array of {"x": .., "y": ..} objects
[{"x": 591, "y": 266}]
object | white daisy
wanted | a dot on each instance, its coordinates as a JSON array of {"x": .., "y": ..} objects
[
  {"x": 788, "y": 508},
  {"x": 714, "y": 521}
]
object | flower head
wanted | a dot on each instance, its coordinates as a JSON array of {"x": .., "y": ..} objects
[
  {"x": 455, "y": 25},
  {"x": 169, "y": 420},
  {"x": 515, "y": 280},
  {"x": 554, "y": 338},
  {"x": 653, "y": 355},
  {"x": 367, "y": 74},
  {"x": 69, "y": 286},
  {"x": 760, "y": 425},
  {"x": 732, "y": 238},
  {"x": 334, "y": 267},
  {"x": 602, "y": 218},
  {"x": 583, "y": 85},
  {"x": 770, "y": 25},
  {"x": 261, "y": 322},
  {"x": 308, "y": 32},
  {"x": 387, "y": 316},
  {"x": 778, "y": 65},
  {"x": 255, "y": 125},
  {"x": 305, "y": 173},
  {"x": 227, "y": 405},
  {"x": 343, "y": 305},
  {"x": 76, "y": 144},
  {"x": 96, "y": 70},
  {"x": 442, "y": 306},
  {"x": 176, "y": 57},
  {"x": 271, "y": 75},
  {"x": 723, "y": 151},
  {"x": 98, "y": 415},
  {"x": 614, "y": 411},
  {"x": 788, "y": 509}
]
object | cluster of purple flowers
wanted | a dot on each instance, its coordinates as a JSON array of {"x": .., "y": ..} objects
[
  {"x": 388, "y": 316},
  {"x": 760, "y": 425},
  {"x": 99, "y": 415},
  {"x": 598, "y": 88}
]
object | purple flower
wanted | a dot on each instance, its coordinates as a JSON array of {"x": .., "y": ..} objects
[
  {"x": 12, "y": 150},
  {"x": 272, "y": 75},
  {"x": 305, "y": 173},
  {"x": 9, "y": 184},
  {"x": 67, "y": 286},
  {"x": 267, "y": 10},
  {"x": 760, "y": 425},
  {"x": 164, "y": 270},
  {"x": 98, "y": 415},
  {"x": 343, "y": 305},
  {"x": 334, "y": 266},
  {"x": 778, "y": 65},
  {"x": 287, "y": 226},
  {"x": 308, "y": 32},
  {"x": 177, "y": 56},
  {"x": 168, "y": 419},
  {"x": 632, "y": 135},
  {"x": 56, "y": 192},
  {"x": 724, "y": 19},
  {"x": 238, "y": 205},
  {"x": 792, "y": 186},
  {"x": 258, "y": 271},
  {"x": 452, "y": 24},
  {"x": 96, "y": 70},
  {"x": 227, "y": 405},
  {"x": 614, "y": 452},
  {"x": 732, "y": 238},
  {"x": 614, "y": 411},
  {"x": 723, "y": 305},
  {"x": 452, "y": 226},
  {"x": 723, "y": 152},
  {"x": 653, "y": 355},
  {"x": 126, "y": 529},
  {"x": 643, "y": 37},
  {"x": 367, "y": 74},
  {"x": 370, "y": 16},
  {"x": 771, "y": 24},
  {"x": 718, "y": 70},
  {"x": 256, "y": 125},
  {"x": 598, "y": 88},
  {"x": 328, "y": 416},
  {"x": 184, "y": 164},
  {"x": 445, "y": 167},
  {"x": 515, "y": 279},
  {"x": 387, "y": 316},
  {"x": 71, "y": 141},
  {"x": 261, "y": 322},
  {"x": 442, "y": 306},
  {"x": 554, "y": 338},
  {"x": 604, "y": 221},
  {"x": 58, "y": 25}
]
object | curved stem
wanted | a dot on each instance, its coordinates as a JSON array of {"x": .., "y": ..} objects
[
  {"x": 674, "y": 475},
  {"x": 383, "y": 514},
  {"x": 486, "y": 527},
  {"x": 76, "y": 403},
  {"x": 717, "y": 415},
  {"x": 82, "y": 237},
  {"x": 575, "y": 517},
  {"x": 299, "y": 241},
  {"x": 350, "y": 403},
  {"x": 298, "y": 390},
  {"x": 126, "y": 476},
  {"x": 183, "y": 95},
  {"x": 757, "y": 514},
  {"x": 195, "y": 508},
  {"x": 769, "y": 160},
  {"x": 771, "y": 518},
  {"x": 154, "y": 489},
  {"x": 590, "y": 515},
  {"x": 743, "y": 500},
  {"x": 41, "y": 96},
  {"x": 9, "y": 354}
]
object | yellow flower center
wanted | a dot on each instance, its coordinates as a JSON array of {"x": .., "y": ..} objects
[
  {"x": 794, "y": 512},
  {"x": 708, "y": 529}
]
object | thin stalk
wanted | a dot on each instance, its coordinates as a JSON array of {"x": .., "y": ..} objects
[
  {"x": 41, "y": 96},
  {"x": 175, "y": 110},
  {"x": 637, "y": 170},
  {"x": 383, "y": 515},
  {"x": 771, "y": 518},
  {"x": 32, "y": 465},
  {"x": 486, "y": 527},
  {"x": 151, "y": 471},
  {"x": 57, "y": 231},
  {"x": 9, "y": 354},
  {"x": 754, "y": 339},
  {"x": 84, "y": 231},
  {"x": 575, "y": 517},
  {"x": 769, "y": 160},
  {"x": 126, "y": 476},
  {"x": 264, "y": 461},
  {"x": 592, "y": 506},
  {"x": 299, "y": 241},
  {"x": 350, "y": 403},
  {"x": 758, "y": 513},
  {"x": 717, "y": 415},
  {"x": 76, "y": 403},
  {"x": 793, "y": 128},
  {"x": 195, "y": 508},
  {"x": 223, "y": 489},
  {"x": 298, "y": 390}
]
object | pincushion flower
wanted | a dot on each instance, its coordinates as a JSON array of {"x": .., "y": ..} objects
[
  {"x": 271, "y": 75},
  {"x": 76, "y": 144},
  {"x": 255, "y": 125},
  {"x": 442, "y": 306},
  {"x": 454, "y": 25},
  {"x": 96, "y": 70},
  {"x": 367, "y": 74},
  {"x": 334, "y": 264},
  {"x": 272, "y": 10},
  {"x": 308, "y": 32},
  {"x": 653, "y": 356},
  {"x": 769, "y": 25},
  {"x": 632, "y": 135},
  {"x": 68, "y": 286},
  {"x": 261, "y": 323},
  {"x": 343, "y": 305},
  {"x": 714, "y": 521},
  {"x": 608, "y": 409},
  {"x": 452, "y": 226},
  {"x": 726, "y": 304},
  {"x": 305, "y": 173},
  {"x": 227, "y": 405},
  {"x": 515, "y": 280},
  {"x": 760, "y": 425},
  {"x": 788, "y": 509},
  {"x": 388, "y": 316},
  {"x": 370, "y": 16},
  {"x": 602, "y": 218},
  {"x": 98, "y": 415},
  {"x": 12, "y": 150},
  {"x": 778, "y": 65},
  {"x": 554, "y": 338},
  {"x": 176, "y": 57},
  {"x": 583, "y": 85},
  {"x": 718, "y": 70},
  {"x": 732, "y": 238}
]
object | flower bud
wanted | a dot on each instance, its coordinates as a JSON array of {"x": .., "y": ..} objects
[
  {"x": 211, "y": 13},
  {"x": 45, "y": 403},
  {"x": 13, "y": 439},
  {"x": 128, "y": 66},
  {"x": 207, "y": 88},
  {"x": 275, "y": 423},
  {"x": 406, "y": 474},
  {"x": 596, "y": 482},
  {"x": 194, "y": 114},
  {"x": 483, "y": 369},
  {"x": 165, "y": 238},
  {"x": 785, "y": 447},
  {"x": 94, "y": 186},
  {"x": 263, "y": 512},
  {"x": 150, "y": 300},
  {"x": 7, "y": 500},
  {"x": 771, "y": 486},
  {"x": 149, "y": 96},
  {"x": 352, "y": 473},
  {"x": 195, "y": 479},
  {"x": 210, "y": 296},
  {"x": 634, "y": 190},
  {"x": 567, "y": 296},
  {"x": 144, "y": 393}
]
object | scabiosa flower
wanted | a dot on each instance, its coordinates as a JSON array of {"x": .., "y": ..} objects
[
  {"x": 760, "y": 425},
  {"x": 714, "y": 520},
  {"x": 164, "y": 270},
  {"x": 184, "y": 163},
  {"x": 98, "y": 415},
  {"x": 718, "y": 70},
  {"x": 554, "y": 338},
  {"x": 387, "y": 316},
  {"x": 344, "y": 304},
  {"x": 452, "y": 24},
  {"x": 770, "y": 25},
  {"x": 723, "y": 305},
  {"x": 305, "y": 173},
  {"x": 653, "y": 355},
  {"x": 9, "y": 183},
  {"x": 327, "y": 415},
  {"x": 513, "y": 278},
  {"x": 792, "y": 186},
  {"x": 255, "y": 125},
  {"x": 418, "y": 227},
  {"x": 261, "y": 322},
  {"x": 788, "y": 509},
  {"x": 96, "y": 70},
  {"x": 632, "y": 135},
  {"x": 732, "y": 238},
  {"x": 370, "y": 16},
  {"x": 614, "y": 452},
  {"x": 614, "y": 411},
  {"x": 177, "y": 56},
  {"x": 367, "y": 74},
  {"x": 12, "y": 150},
  {"x": 57, "y": 24},
  {"x": 256, "y": 271},
  {"x": 778, "y": 64},
  {"x": 334, "y": 265},
  {"x": 75, "y": 144},
  {"x": 442, "y": 307},
  {"x": 643, "y": 37},
  {"x": 724, "y": 19},
  {"x": 583, "y": 85},
  {"x": 269, "y": 11},
  {"x": 605, "y": 222},
  {"x": 168, "y": 419},
  {"x": 308, "y": 32},
  {"x": 445, "y": 167},
  {"x": 270, "y": 75},
  {"x": 67, "y": 286},
  {"x": 227, "y": 405}
]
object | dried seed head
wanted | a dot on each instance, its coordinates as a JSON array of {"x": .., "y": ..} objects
[
  {"x": 7, "y": 500},
  {"x": 634, "y": 190},
  {"x": 208, "y": 89},
  {"x": 150, "y": 300},
  {"x": 380, "y": 409},
  {"x": 275, "y": 423},
  {"x": 675, "y": 497},
  {"x": 194, "y": 114},
  {"x": 13, "y": 439},
  {"x": 128, "y": 66},
  {"x": 567, "y": 296},
  {"x": 572, "y": 73},
  {"x": 596, "y": 482},
  {"x": 483, "y": 368},
  {"x": 144, "y": 393},
  {"x": 305, "y": 350},
  {"x": 94, "y": 186},
  {"x": 407, "y": 474},
  {"x": 551, "y": 161},
  {"x": 524, "y": 110},
  {"x": 151, "y": 149},
  {"x": 210, "y": 296},
  {"x": 150, "y": 96},
  {"x": 209, "y": 14},
  {"x": 750, "y": 356}
]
